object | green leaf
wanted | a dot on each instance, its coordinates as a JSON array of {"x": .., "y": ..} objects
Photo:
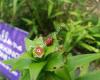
[
  {"x": 28, "y": 21},
  {"x": 28, "y": 44},
  {"x": 15, "y": 2},
  {"x": 50, "y": 7},
  {"x": 49, "y": 76},
  {"x": 84, "y": 69},
  {"x": 38, "y": 41},
  {"x": 79, "y": 60},
  {"x": 88, "y": 47},
  {"x": 10, "y": 61},
  {"x": 35, "y": 69},
  {"x": 54, "y": 61},
  {"x": 68, "y": 41},
  {"x": 57, "y": 14},
  {"x": 95, "y": 29},
  {"x": 90, "y": 76},
  {"x": 21, "y": 64},
  {"x": 34, "y": 30},
  {"x": 25, "y": 75},
  {"x": 96, "y": 35},
  {"x": 63, "y": 73},
  {"x": 26, "y": 55}
]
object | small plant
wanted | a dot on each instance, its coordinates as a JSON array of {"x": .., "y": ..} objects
[
  {"x": 72, "y": 44},
  {"x": 54, "y": 62}
]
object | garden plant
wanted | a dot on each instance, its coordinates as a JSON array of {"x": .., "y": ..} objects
[{"x": 63, "y": 41}]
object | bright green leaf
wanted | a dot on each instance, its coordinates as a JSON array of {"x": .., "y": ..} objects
[
  {"x": 55, "y": 61},
  {"x": 35, "y": 69},
  {"x": 90, "y": 76}
]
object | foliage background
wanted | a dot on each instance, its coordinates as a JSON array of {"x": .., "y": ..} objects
[
  {"x": 76, "y": 22},
  {"x": 39, "y": 15}
]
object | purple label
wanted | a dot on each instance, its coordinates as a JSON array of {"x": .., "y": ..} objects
[{"x": 11, "y": 46}]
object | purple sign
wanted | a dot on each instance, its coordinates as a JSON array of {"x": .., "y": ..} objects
[{"x": 12, "y": 45}]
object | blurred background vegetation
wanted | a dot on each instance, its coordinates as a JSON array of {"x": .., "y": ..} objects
[{"x": 41, "y": 16}]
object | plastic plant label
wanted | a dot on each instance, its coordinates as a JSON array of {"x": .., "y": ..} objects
[{"x": 12, "y": 45}]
